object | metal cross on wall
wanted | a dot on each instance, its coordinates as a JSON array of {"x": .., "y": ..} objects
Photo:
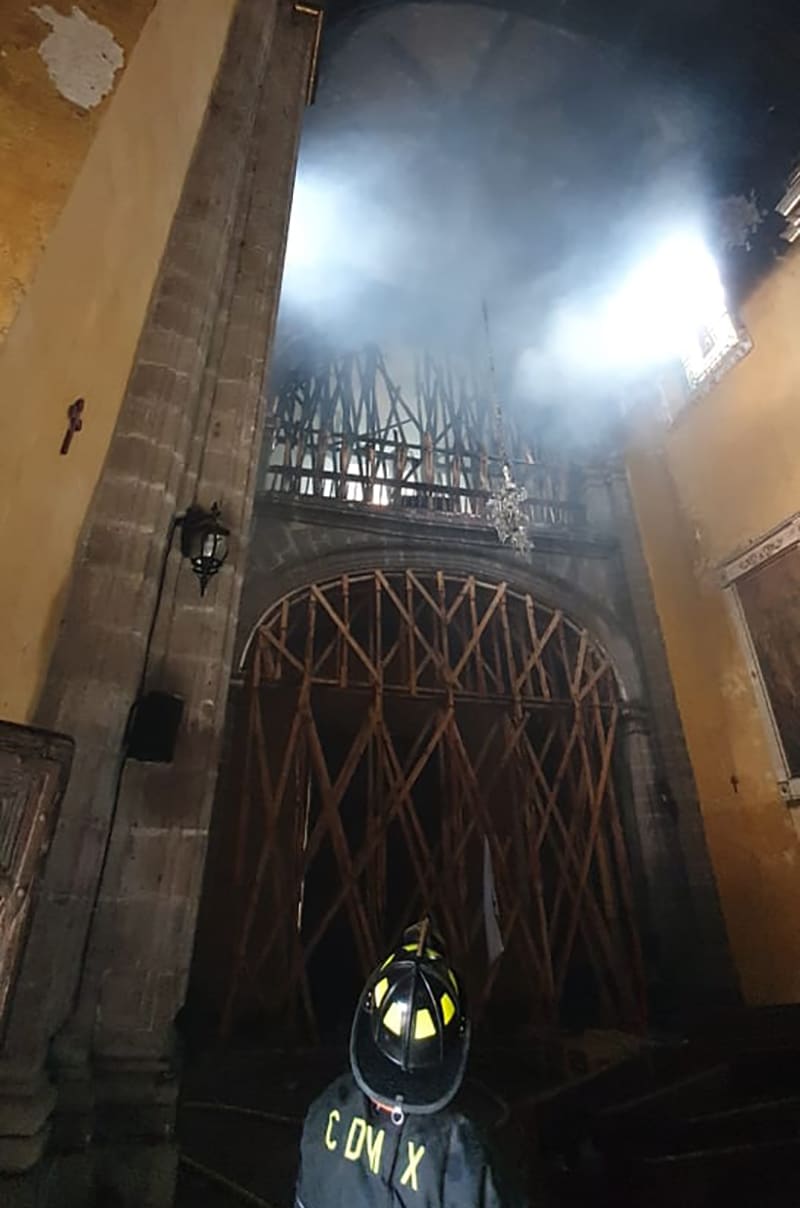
[{"x": 74, "y": 424}]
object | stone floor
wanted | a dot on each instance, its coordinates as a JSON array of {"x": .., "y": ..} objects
[
  {"x": 258, "y": 1154},
  {"x": 237, "y": 1138},
  {"x": 711, "y": 1120}
]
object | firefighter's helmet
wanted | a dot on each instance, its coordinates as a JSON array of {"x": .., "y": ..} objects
[{"x": 410, "y": 1035}]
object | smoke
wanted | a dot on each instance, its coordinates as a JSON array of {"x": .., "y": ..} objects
[{"x": 533, "y": 178}]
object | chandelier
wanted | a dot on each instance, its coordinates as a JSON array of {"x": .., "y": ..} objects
[
  {"x": 506, "y": 513},
  {"x": 505, "y": 507}
]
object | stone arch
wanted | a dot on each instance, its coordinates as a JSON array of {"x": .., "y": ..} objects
[
  {"x": 535, "y": 576},
  {"x": 292, "y": 585}
]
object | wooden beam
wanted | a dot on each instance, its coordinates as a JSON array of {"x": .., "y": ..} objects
[{"x": 534, "y": 778}]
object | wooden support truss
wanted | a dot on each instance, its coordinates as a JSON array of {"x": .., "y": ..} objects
[
  {"x": 347, "y": 429},
  {"x": 410, "y": 735}
]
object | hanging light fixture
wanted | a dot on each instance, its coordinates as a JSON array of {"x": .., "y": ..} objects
[
  {"x": 204, "y": 541},
  {"x": 506, "y": 512},
  {"x": 505, "y": 508}
]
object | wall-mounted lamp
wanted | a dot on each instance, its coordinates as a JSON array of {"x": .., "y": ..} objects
[{"x": 204, "y": 541}]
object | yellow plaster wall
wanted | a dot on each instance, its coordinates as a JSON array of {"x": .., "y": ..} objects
[
  {"x": 75, "y": 332},
  {"x": 43, "y": 137},
  {"x": 727, "y": 471}
]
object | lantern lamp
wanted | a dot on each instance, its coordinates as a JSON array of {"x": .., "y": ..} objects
[{"x": 204, "y": 541}]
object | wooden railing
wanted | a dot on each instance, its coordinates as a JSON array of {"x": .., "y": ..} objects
[{"x": 419, "y": 478}]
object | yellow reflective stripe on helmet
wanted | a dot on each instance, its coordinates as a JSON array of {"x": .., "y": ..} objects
[
  {"x": 430, "y": 953},
  {"x": 380, "y": 990},
  {"x": 394, "y": 1018},
  {"x": 387, "y": 962},
  {"x": 448, "y": 1008},
  {"x": 424, "y": 1027}
]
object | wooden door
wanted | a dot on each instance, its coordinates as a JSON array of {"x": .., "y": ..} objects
[{"x": 34, "y": 767}]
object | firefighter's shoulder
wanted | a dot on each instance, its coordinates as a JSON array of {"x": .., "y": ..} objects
[{"x": 339, "y": 1095}]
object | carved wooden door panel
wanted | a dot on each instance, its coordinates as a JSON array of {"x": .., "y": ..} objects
[{"x": 34, "y": 767}]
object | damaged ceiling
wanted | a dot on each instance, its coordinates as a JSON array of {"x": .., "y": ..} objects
[{"x": 573, "y": 115}]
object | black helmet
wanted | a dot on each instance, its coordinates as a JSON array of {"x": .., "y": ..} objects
[{"x": 410, "y": 1035}]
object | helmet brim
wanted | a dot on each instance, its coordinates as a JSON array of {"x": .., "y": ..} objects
[{"x": 420, "y": 1092}]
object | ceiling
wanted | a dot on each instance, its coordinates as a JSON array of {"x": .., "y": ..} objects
[
  {"x": 741, "y": 56},
  {"x": 751, "y": 48},
  {"x": 519, "y": 151}
]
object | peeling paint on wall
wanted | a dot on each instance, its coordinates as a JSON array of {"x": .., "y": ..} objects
[
  {"x": 70, "y": 179},
  {"x": 44, "y": 138},
  {"x": 82, "y": 56}
]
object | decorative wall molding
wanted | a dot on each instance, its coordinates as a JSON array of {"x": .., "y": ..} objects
[
  {"x": 777, "y": 541},
  {"x": 781, "y": 538}
]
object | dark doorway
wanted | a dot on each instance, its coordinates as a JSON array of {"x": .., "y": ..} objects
[{"x": 417, "y": 743}]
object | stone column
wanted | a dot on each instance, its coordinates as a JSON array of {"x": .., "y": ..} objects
[
  {"x": 665, "y": 903},
  {"x": 141, "y": 945},
  {"x": 694, "y": 956},
  {"x": 113, "y": 928}
]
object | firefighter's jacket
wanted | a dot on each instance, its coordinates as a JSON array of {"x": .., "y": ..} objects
[{"x": 353, "y": 1155}]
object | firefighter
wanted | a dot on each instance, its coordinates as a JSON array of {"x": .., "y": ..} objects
[{"x": 387, "y": 1135}]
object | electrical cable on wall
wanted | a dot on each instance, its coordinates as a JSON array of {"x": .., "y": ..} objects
[{"x": 123, "y": 753}]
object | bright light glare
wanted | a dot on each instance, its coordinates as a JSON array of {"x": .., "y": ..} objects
[
  {"x": 673, "y": 294},
  {"x": 312, "y": 223},
  {"x": 338, "y": 236},
  {"x": 670, "y": 308}
]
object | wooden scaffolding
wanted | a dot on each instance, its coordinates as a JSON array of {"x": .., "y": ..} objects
[
  {"x": 418, "y": 434},
  {"x": 418, "y": 742}
]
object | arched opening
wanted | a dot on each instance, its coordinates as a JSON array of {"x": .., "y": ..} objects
[{"x": 415, "y": 741}]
